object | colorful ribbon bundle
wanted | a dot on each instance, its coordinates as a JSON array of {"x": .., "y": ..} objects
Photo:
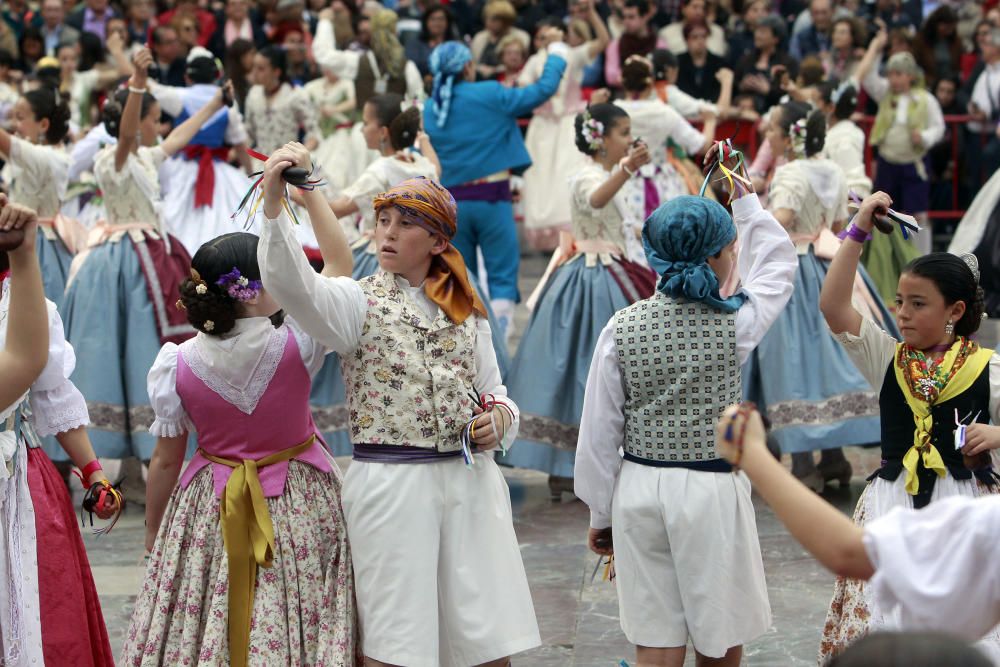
[
  {"x": 609, "y": 569},
  {"x": 486, "y": 402},
  {"x": 726, "y": 152},
  {"x": 905, "y": 222},
  {"x": 293, "y": 176},
  {"x": 101, "y": 494}
]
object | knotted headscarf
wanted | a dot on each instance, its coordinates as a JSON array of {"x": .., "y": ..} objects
[
  {"x": 678, "y": 238},
  {"x": 429, "y": 205},
  {"x": 385, "y": 44},
  {"x": 446, "y": 62}
]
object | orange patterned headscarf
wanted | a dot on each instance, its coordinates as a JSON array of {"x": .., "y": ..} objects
[{"x": 428, "y": 204}]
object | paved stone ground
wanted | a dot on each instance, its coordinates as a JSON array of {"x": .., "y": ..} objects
[{"x": 578, "y": 619}]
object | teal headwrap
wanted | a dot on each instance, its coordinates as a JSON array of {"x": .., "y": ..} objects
[
  {"x": 446, "y": 63},
  {"x": 679, "y": 236}
]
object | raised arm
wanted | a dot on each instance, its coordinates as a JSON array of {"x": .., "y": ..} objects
[
  {"x": 343, "y": 63},
  {"x": 521, "y": 101},
  {"x": 181, "y": 135},
  {"x": 128, "y": 127},
  {"x": 818, "y": 526},
  {"x": 637, "y": 156},
  {"x": 838, "y": 286},
  {"x": 602, "y": 37},
  {"x": 427, "y": 150},
  {"x": 331, "y": 310},
  {"x": 333, "y": 245},
  {"x": 866, "y": 70},
  {"x": 26, "y": 350}
]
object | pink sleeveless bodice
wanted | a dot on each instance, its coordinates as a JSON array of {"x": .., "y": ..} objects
[{"x": 281, "y": 419}]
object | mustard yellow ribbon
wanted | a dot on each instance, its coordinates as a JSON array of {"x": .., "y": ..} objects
[
  {"x": 922, "y": 447},
  {"x": 248, "y": 535}
]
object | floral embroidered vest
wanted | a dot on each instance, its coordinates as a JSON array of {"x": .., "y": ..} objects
[{"x": 409, "y": 379}]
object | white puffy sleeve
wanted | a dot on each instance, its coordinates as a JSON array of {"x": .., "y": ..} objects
[
  {"x": 935, "y": 567},
  {"x": 56, "y": 404},
  {"x": 236, "y": 130},
  {"x": 788, "y": 188},
  {"x": 171, "y": 420},
  {"x": 872, "y": 351},
  {"x": 312, "y": 351}
]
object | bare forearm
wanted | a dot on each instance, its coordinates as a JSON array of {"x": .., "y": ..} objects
[
  {"x": 76, "y": 444},
  {"x": 427, "y": 150},
  {"x": 838, "y": 288},
  {"x": 609, "y": 188},
  {"x": 818, "y": 526},
  {"x": 336, "y": 252},
  {"x": 27, "y": 347},
  {"x": 164, "y": 469}
]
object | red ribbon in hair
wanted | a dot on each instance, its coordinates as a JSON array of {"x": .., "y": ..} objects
[{"x": 204, "y": 187}]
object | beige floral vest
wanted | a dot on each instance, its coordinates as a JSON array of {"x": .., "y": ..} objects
[{"x": 409, "y": 379}]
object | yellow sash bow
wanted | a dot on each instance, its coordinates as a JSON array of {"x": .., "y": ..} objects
[
  {"x": 923, "y": 421},
  {"x": 248, "y": 535}
]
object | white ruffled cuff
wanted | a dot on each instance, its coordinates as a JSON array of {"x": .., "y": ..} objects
[
  {"x": 58, "y": 410},
  {"x": 171, "y": 428}
]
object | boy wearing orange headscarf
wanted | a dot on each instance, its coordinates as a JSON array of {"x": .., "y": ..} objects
[{"x": 437, "y": 566}]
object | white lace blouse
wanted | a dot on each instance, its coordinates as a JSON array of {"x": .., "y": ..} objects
[
  {"x": 238, "y": 367},
  {"x": 133, "y": 193},
  {"x": 56, "y": 404},
  {"x": 39, "y": 175}
]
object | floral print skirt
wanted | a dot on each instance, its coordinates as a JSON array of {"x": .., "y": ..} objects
[{"x": 304, "y": 609}]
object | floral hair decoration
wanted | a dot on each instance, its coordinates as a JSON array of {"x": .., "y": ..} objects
[
  {"x": 797, "y": 133},
  {"x": 238, "y": 286},
  {"x": 593, "y": 131}
]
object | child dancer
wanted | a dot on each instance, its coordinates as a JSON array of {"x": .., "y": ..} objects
[
  {"x": 50, "y": 604},
  {"x": 203, "y": 189},
  {"x": 39, "y": 168},
  {"x": 930, "y": 382},
  {"x": 908, "y": 123},
  {"x": 120, "y": 303},
  {"x": 275, "y": 112},
  {"x": 334, "y": 98},
  {"x": 550, "y": 136},
  {"x": 658, "y": 125},
  {"x": 595, "y": 279},
  {"x": 928, "y": 570},
  {"x": 802, "y": 380},
  {"x": 249, "y": 560},
  {"x": 392, "y": 130},
  {"x": 431, "y": 534},
  {"x": 687, "y": 558}
]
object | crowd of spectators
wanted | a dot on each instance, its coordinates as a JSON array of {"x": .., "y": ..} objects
[{"x": 761, "y": 50}]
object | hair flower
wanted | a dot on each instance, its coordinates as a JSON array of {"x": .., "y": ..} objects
[
  {"x": 201, "y": 288},
  {"x": 593, "y": 131},
  {"x": 238, "y": 286},
  {"x": 209, "y": 325},
  {"x": 797, "y": 133}
]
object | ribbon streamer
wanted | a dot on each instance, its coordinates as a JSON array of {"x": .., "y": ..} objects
[
  {"x": 308, "y": 186},
  {"x": 726, "y": 151}
]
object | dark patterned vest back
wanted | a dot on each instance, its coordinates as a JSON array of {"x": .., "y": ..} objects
[{"x": 371, "y": 81}]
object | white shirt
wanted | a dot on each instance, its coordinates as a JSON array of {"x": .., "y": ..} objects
[
  {"x": 935, "y": 567},
  {"x": 333, "y": 310},
  {"x": 767, "y": 263}
]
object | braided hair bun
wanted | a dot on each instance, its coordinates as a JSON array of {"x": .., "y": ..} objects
[{"x": 209, "y": 307}]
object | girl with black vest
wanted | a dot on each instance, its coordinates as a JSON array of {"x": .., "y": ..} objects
[{"x": 937, "y": 391}]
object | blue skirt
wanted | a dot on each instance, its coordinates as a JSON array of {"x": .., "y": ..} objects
[
  {"x": 329, "y": 398},
  {"x": 111, "y": 324},
  {"x": 802, "y": 378},
  {"x": 548, "y": 377},
  {"x": 54, "y": 258}
]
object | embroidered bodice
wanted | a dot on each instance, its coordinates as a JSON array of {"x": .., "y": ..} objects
[
  {"x": 132, "y": 194},
  {"x": 815, "y": 188},
  {"x": 589, "y": 223},
  {"x": 39, "y": 176},
  {"x": 274, "y": 121}
]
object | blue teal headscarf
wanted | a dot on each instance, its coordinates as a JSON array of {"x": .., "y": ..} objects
[
  {"x": 446, "y": 62},
  {"x": 679, "y": 236}
]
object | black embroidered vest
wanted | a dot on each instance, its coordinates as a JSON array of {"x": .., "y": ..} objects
[{"x": 898, "y": 426}]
